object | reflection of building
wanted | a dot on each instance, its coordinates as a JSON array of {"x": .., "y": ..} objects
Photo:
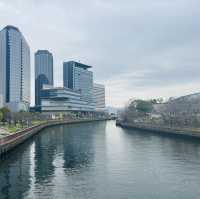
[
  {"x": 63, "y": 99},
  {"x": 79, "y": 151},
  {"x": 15, "y": 176},
  {"x": 43, "y": 72},
  {"x": 76, "y": 76},
  {"x": 14, "y": 69},
  {"x": 45, "y": 149},
  {"x": 99, "y": 96}
]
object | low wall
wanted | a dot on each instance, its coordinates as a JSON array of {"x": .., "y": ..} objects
[
  {"x": 160, "y": 130},
  {"x": 11, "y": 141}
]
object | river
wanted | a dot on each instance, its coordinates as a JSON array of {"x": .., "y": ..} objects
[{"x": 101, "y": 161}]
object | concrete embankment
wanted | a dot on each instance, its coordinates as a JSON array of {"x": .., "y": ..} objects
[
  {"x": 187, "y": 132},
  {"x": 9, "y": 142}
]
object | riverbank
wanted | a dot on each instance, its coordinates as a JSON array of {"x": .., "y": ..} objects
[
  {"x": 187, "y": 132},
  {"x": 9, "y": 142}
]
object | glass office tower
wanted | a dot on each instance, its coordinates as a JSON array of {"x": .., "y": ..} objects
[
  {"x": 43, "y": 73},
  {"x": 14, "y": 69},
  {"x": 77, "y": 76}
]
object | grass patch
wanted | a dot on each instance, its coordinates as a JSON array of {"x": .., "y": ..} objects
[
  {"x": 15, "y": 128},
  {"x": 37, "y": 122}
]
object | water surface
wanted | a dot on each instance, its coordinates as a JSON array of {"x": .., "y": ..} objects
[{"x": 99, "y": 161}]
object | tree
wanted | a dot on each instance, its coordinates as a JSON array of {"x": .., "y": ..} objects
[
  {"x": 157, "y": 100},
  {"x": 144, "y": 106},
  {"x": 160, "y": 100},
  {"x": 136, "y": 110},
  {"x": 129, "y": 113},
  {"x": 1, "y": 116},
  {"x": 6, "y": 114},
  {"x": 154, "y": 101}
]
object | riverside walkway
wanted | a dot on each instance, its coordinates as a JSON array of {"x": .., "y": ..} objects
[
  {"x": 10, "y": 141},
  {"x": 3, "y": 133}
]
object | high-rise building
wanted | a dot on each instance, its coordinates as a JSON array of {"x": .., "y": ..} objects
[
  {"x": 76, "y": 76},
  {"x": 14, "y": 69},
  {"x": 43, "y": 73},
  {"x": 99, "y": 96}
]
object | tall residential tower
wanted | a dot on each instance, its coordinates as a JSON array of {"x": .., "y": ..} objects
[
  {"x": 43, "y": 73},
  {"x": 14, "y": 69}
]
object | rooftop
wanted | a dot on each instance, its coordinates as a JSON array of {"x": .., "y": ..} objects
[
  {"x": 189, "y": 97},
  {"x": 11, "y": 27},
  {"x": 99, "y": 85},
  {"x": 78, "y": 64},
  {"x": 43, "y": 52}
]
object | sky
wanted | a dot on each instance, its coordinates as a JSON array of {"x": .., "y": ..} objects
[{"x": 138, "y": 48}]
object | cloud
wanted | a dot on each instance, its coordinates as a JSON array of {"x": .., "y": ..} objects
[{"x": 135, "y": 46}]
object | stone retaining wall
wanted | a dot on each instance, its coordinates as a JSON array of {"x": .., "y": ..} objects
[
  {"x": 11, "y": 141},
  {"x": 160, "y": 130}
]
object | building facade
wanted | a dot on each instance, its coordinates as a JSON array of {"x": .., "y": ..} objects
[
  {"x": 14, "y": 69},
  {"x": 188, "y": 104},
  {"x": 43, "y": 73},
  {"x": 76, "y": 76},
  {"x": 61, "y": 99},
  {"x": 99, "y": 96}
]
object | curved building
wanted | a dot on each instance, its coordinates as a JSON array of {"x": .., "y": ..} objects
[
  {"x": 14, "y": 69},
  {"x": 61, "y": 99}
]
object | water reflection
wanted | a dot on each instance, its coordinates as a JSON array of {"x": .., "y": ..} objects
[
  {"x": 168, "y": 146},
  {"x": 98, "y": 160},
  {"x": 14, "y": 174},
  {"x": 79, "y": 149}
]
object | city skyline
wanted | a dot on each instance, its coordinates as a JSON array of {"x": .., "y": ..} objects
[
  {"x": 78, "y": 91},
  {"x": 142, "y": 57},
  {"x": 99, "y": 99}
]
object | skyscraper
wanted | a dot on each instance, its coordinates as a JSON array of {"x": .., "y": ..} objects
[
  {"x": 14, "y": 69},
  {"x": 43, "y": 73},
  {"x": 99, "y": 96},
  {"x": 77, "y": 76}
]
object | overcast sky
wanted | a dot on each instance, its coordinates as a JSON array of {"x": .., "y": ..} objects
[{"x": 138, "y": 48}]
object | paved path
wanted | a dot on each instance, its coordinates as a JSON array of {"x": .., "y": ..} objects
[{"x": 3, "y": 132}]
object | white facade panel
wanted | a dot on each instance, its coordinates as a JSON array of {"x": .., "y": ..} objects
[
  {"x": 3, "y": 66},
  {"x": 15, "y": 65},
  {"x": 26, "y": 73},
  {"x": 99, "y": 96}
]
